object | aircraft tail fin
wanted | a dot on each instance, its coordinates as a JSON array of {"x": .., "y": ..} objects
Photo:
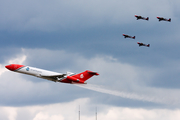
[
  {"x": 169, "y": 20},
  {"x": 134, "y": 37},
  {"x": 147, "y": 18},
  {"x": 85, "y": 75},
  {"x": 148, "y": 45}
]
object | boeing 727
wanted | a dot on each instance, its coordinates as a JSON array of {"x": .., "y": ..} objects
[{"x": 53, "y": 76}]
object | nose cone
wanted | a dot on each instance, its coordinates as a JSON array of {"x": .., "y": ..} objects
[{"x": 14, "y": 67}]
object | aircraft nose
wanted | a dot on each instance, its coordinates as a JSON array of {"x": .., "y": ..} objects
[
  {"x": 8, "y": 67},
  {"x": 13, "y": 67}
]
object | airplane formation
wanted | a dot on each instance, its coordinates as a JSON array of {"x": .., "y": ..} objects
[
  {"x": 68, "y": 77},
  {"x": 145, "y": 18}
]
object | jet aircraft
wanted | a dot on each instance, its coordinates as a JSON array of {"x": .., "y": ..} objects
[
  {"x": 53, "y": 76},
  {"x": 128, "y": 36},
  {"x": 164, "y": 19},
  {"x": 140, "y": 17},
  {"x": 142, "y": 44}
]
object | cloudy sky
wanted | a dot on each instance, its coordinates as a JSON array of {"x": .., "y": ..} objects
[{"x": 135, "y": 82}]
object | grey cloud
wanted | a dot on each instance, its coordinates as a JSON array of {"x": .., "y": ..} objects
[
  {"x": 118, "y": 76},
  {"x": 66, "y": 15},
  {"x": 69, "y": 110},
  {"x": 77, "y": 35}
]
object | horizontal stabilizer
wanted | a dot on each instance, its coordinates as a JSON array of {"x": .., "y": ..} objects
[{"x": 93, "y": 73}]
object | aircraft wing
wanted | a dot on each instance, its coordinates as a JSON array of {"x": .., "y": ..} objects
[
  {"x": 58, "y": 75},
  {"x": 54, "y": 77}
]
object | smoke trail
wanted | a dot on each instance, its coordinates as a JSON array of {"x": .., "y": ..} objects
[{"x": 123, "y": 94}]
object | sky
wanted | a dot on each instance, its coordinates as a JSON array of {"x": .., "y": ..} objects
[{"x": 138, "y": 83}]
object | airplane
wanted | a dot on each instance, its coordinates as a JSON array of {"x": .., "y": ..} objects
[
  {"x": 142, "y": 44},
  {"x": 164, "y": 19},
  {"x": 53, "y": 76},
  {"x": 127, "y": 36},
  {"x": 140, "y": 17}
]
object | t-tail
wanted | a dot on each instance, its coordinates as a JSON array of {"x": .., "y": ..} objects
[{"x": 82, "y": 77}]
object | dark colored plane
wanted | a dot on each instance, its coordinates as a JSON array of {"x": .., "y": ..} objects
[
  {"x": 142, "y": 44},
  {"x": 128, "y": 36},
  {"x": 140, "y": 17},
  {"x": 164, "y": 19}
]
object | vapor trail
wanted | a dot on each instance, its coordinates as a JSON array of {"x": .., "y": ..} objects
[{"x": 123, "y": 94}]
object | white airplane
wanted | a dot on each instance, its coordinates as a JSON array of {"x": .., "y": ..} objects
[{"x": 53, "y": 76}]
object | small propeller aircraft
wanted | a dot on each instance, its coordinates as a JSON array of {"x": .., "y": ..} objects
[
  {"x": 164, "y": 19},
  {"x": 142, "y": 44},
  {"x": 128, "y": 36},
  {"x": 53, "y": 76},
  {"x": 140, "y": 17}
]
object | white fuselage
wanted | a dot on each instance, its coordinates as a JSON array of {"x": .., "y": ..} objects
[{"x": 36, "y": 71}]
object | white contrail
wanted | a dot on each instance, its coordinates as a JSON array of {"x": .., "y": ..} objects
[{"x": 123, "y": 94}]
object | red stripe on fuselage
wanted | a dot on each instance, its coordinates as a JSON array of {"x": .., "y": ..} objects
[{"x": 14, "y": 67}]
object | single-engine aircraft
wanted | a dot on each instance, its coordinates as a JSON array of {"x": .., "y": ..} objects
[
  {"x": 140, "y": 17},
  {"x": 164, "y": 19},
  {"x": 53, "y": 76},
  {"x": 142, "y": 44},
  {"x": 128, "y": 36}
]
